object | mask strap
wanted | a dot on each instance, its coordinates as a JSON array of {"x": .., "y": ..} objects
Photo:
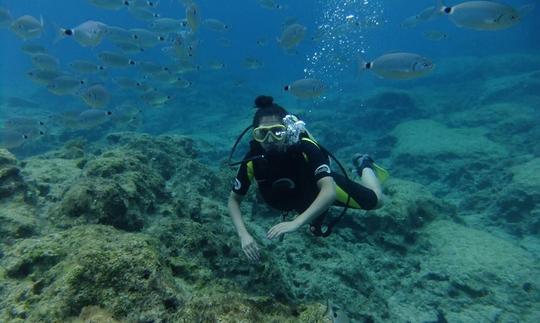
[{"x": 233, "y": 149}]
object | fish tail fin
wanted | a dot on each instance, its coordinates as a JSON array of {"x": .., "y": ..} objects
[
  {"x": 442, "y": 8},
  {"x": 363, "y": 64},
  {"x": 60, "y": 33}
]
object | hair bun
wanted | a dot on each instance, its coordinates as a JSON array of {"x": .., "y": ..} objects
[{"x": 264, "y": 101}]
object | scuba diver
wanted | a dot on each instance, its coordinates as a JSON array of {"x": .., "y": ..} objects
[{"x": 292, "y": 172}]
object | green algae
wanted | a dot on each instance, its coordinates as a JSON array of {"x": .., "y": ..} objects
[{"x": 124, "y": 274}]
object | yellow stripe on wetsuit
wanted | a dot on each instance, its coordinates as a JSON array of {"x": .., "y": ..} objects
[
  {"x": 250, "y": 171},
  {"x": 341, "y": 196}
]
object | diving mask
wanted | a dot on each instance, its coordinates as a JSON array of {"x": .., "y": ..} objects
[{"x": 277, "y": 131}]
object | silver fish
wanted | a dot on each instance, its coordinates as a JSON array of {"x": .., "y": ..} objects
[
  {"x": 129, "y": 48},
  {"x": 96, "y": 96},
  {"x": 252, "y": 63},
  {"x": 45, "y": 62},
  {"x": 10, "y": 139},
  {"x": 125, "y": 113},
  {"x": 193, "y": 17},
  {"x": 43, "y": 76},
  {"x": 64, "y": 85},
  {"x": 93, "y": 118},
  {"x": 181, "y": 83},
  {"x": 118, "y": 34},
  {"x": 128, "y": 82},
  {"x": 150, "y": 67},
  {"x": 484, "y": 15},
  {"x": 27, "y": 27},
  {"x": 143, "y": 4},
  {"x": 291, "y": 36},
  {"x": 270, "y": 4},
  {"x": 32, "y": 49},
  {"x": 435, "y": 35},
  {"x": 145, "y": 38},
  {"x": 115, "y": 59},
  {"x": 16, "y": 122},
  {"x": 86, "y": 67},
  {"x": 216, "y": 65},
  {"x": 29, "y": 132},
  {"x": 215, "y": 25},
  {"x": 427, "y": 14},
  {"x": 88, "y": 34},
  {"x": 399, "y": 66},
  {"x": 143, "y": 13},
  {"x": 306, "y": 88},
  {"x": 156, "y": 99},
  {"x": 166, "y": 25}
]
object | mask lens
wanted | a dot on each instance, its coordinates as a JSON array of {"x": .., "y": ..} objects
[{"x": 261, "y": 133}]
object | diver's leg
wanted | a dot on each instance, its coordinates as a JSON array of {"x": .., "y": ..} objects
[
  {"x": 363, "y": 164},
  {"x": 370, "y": 180},
  {"x": 357, "y": 195}
]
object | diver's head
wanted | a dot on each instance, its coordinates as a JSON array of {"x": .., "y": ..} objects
[{"x": 268, "y": 127}]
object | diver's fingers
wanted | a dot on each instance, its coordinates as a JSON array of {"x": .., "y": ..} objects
[
  {"x": 275, "y": 231},
  {"x": 252, "y": 251},
  {"x": 247, "y": 251},
  {"x": 271, "y": 232}
]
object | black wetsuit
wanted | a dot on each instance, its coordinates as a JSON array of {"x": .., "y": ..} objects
[{"x": 288, "y": 180}]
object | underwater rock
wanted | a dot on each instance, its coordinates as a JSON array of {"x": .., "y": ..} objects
[
  {"x": 462, "y": 159},
  {"x": 518, "y": 208},
  {"x": 51, "y": 175},
  {"x": 513, "y": 88},
  {"x": 212, "y": 250},
  {"x": 513, "y": 124},
  {"x": 60, "y": 274},
  {"x": 409, "y": 206},
  {"x": 95, "y": 200},
  {"x": 430, "y": 140},
  {"x": 162, "y": 151},
  {"x": 465, "y": 272},
  {"x": 17, "y": 210},
  {"x": 116, "y": 188},
  {"x": 97, "y": 271},
  {"x": 17, "y": 221},
  {"x": 11, "y": 182}
]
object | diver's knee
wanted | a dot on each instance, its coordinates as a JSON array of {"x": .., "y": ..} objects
[
  {"x": 380, "y": 202},
  {"x": 375, "y": 201}
]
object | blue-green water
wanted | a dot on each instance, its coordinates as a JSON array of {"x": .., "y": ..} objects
[{"x": 135, "y": 185}]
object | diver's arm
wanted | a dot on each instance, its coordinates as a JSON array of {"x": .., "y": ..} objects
[
  {"x": 325, "y": 198},
  {"x": 249, "y": 246},
  {"x": 236, "y": 215}
]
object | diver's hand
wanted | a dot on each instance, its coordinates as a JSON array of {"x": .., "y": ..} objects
[
  {"x": 250, "y": 247},
  {"x": 281, "y": 228}
]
